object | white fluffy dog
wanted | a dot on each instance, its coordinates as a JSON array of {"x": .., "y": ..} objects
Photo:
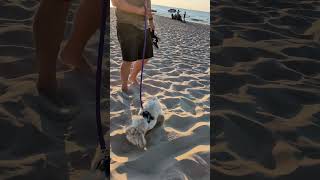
[{"x": 151, "y": 115}]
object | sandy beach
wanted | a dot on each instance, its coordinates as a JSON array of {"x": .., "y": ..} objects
[
  {"x": 179, "y": 76},
  {"x": 40, "y": 140},
  {"x": 266, "y": 90}
]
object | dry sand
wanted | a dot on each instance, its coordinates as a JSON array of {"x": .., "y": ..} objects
[
  {"x": 40, "y": 140},
  {"x": 267, "y": 90},
  {"x": 179, "y": 76}
]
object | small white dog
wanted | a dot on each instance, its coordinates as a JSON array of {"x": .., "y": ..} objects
[{"x": 151, "y": 115}]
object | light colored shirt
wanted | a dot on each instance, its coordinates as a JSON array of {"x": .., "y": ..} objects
[{"x": 130, "y": 18}]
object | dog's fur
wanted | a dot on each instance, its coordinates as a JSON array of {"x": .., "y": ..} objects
[{"x": 135, "y": 133}]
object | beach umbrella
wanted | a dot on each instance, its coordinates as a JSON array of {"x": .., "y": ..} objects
[{"x": 172, "y": 10}]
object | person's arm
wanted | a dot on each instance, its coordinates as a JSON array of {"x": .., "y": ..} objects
[
  {"x": 150, "y": 16},
  {"x": 123, "y": 5}
]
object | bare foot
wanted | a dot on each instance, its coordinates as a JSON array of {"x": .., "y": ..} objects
[
  {"x": 134, "y": 81},
  {"x": 55, "y": 101},
  {"x": 57, "y": 95},
  {"x": 79, "y": 63},
  {"x": 124, "y": 87},
  {"x": 48, "y": 90},
  {"x": 126, "y": 91}
]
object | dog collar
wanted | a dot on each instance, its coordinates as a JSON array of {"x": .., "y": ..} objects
[{"x": 147, "y": 115}]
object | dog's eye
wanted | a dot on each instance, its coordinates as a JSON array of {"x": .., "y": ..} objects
[{"x": 147, "y": 115}]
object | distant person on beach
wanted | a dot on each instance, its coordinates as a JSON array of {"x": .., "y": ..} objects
[
  {"x": 48, "y": 29},
  {"x": 184, "y": 16},
  {"x": 130, "y": 31},
  {"x": 179, "y": 15}
]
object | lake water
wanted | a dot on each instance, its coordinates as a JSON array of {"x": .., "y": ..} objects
[{"x": 192, "y": 15}]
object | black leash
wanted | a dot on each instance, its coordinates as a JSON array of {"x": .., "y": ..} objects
[
  {"x": 105, "y": 161},
  {"x": 144, "y": 51}
]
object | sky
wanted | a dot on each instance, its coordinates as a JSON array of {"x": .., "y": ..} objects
[{"x": 201, "y": 5}]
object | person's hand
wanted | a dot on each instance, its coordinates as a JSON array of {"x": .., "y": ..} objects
[
  {"x": 149, "y": 13},
  {"x": 151, "y": 24}
]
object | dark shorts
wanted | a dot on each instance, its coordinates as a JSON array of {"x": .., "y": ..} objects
[{"x": 131, "y": 41}]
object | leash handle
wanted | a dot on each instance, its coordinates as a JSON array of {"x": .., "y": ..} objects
[{"x": 144, "y": 51}]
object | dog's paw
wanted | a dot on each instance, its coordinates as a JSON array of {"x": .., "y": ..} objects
[{"x": 135, "y": 135}]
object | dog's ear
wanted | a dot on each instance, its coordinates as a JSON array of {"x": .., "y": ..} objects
[{"x": 160, "y": 119}]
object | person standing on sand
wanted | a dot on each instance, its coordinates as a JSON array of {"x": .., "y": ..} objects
[
  {"x": 48, "y": 29},
  {"x": 130, "y": 32}
]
